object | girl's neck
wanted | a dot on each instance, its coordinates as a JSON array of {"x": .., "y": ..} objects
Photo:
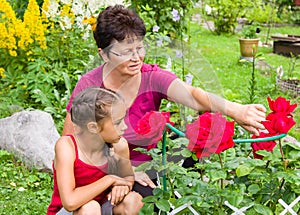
[{"x": 91, "y": 149}]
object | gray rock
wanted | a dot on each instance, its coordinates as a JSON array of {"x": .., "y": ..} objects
[{"x": 30, "y": 136}]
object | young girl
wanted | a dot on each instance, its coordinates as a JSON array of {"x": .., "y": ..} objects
[{"x": 88, "y": 179}]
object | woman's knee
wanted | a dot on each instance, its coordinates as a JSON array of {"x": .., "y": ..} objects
[{"x": 90, "y": 208}]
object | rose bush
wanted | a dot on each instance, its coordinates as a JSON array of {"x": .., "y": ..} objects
[{"x": 226, "y": 175}]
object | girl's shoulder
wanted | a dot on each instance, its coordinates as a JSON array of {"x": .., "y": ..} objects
[{"x": 65, "y": 143}]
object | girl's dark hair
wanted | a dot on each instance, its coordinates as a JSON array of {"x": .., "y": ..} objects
[
  {"x": 117, "y": 22},
  {"x": 92, "y": 105}
]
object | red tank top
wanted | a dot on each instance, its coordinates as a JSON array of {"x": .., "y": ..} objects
[{"x": 84, "y": 174}]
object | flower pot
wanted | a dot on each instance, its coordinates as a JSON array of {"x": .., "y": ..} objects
[{"x": 248, "y": 47}]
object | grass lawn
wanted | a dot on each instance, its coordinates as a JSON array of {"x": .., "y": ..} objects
[
  {"x": 217, "y": 67},
  {"x": 231, "y": 77}
]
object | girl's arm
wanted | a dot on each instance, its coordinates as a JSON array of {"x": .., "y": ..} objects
[
  {"x": 72, "y": 198},
  {"x": 248, "y": 116},
  {"x": 124, "y": 164}
]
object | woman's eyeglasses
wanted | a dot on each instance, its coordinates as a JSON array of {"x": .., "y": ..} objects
[{"x": 128, "y": 54}]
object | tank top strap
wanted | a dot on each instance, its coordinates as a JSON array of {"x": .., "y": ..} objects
[{"x": 75, "y": 144}]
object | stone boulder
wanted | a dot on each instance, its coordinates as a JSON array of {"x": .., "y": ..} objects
[{"x": 30, "y": 136}]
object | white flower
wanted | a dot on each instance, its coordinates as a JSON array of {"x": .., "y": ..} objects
[
  {"x": 65, "y": 23},
  {"x": 189, "y": 118},
  {"x": 155, "y": 28},
  {"x": 208, "y": 9},
  {"x": 21, "y": 189},
  {"x": 169, "y": 64},
  {"x": 179, "y": 54},
  {"x": 176, "y": 16},
  {"x": 53, "y": 9},
  {"x": 86, "y": 35},
  {"x": 66, "y": 1},
  {"x": 159, "y": 43},
  {"x": 189, "y": 78}
]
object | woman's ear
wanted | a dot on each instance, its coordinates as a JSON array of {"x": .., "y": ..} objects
[
  {"x": 93, "y": 127},
  {"x": 103, "y": 55}
]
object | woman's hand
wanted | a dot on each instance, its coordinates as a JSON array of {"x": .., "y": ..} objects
[
  {"x": 143, "y": 179},
  {"x": 250, "y": 117},
  {"x": 117, "y": 194}
]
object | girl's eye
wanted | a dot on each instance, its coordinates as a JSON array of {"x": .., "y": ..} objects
[{"x": 118, "y": 122}]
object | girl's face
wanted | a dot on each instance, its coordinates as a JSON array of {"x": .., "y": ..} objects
[
  {"x": 114, "y": 126},
  {"x": 127, "y": 56}
]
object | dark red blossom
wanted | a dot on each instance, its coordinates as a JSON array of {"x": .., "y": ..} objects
[
  {"x": 152, "y": 125},
  {"x": 209, "y": 134},
  {"x": 281, "y": 105},
  {"x": 279, "y": 123},
  {"x": 267, "y": 145}
]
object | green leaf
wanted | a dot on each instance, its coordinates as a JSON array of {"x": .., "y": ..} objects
[
  {"x": 243, "y": 170},
  {"x": 150, "y": 199},
  {"x": 217, "y": 174},
  {"x": 145, "y": 210},
  {"x": 253, "y": 188},
  {"x": 163, "y": 205},
  {"x": 261, "y": 209}
]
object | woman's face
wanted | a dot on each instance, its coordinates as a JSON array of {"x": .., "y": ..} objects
[{"x": 127, "y": 56}]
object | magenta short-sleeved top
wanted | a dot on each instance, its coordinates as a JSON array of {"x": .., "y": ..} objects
[{"x": 153, "y": 88}]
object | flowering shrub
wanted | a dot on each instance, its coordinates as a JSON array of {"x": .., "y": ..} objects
[
  {"x": 44, "y": 53},
  {"x": 279, "y": 121},
  {"x": 226, "y": 175}
]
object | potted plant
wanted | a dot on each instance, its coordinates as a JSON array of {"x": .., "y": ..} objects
[{"x": 249, "y": 41}]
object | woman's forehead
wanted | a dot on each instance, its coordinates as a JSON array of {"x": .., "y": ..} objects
[{"x": 128, "y": 42}]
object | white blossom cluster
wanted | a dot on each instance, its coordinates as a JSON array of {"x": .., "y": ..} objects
[{"x": 81, "y": 9}]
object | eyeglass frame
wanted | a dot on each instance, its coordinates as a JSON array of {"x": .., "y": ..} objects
[{"x": 130, "y": 53}]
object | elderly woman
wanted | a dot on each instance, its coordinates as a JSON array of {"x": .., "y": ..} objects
[{"x": 119, "y": 36}]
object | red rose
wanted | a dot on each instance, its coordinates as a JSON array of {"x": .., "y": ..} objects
[
  {"x": 279, "y": 123},
  {"x": 268, "y": 146},
  {"x": 281, "y": 105},
  {"x": 151, "y": 126},
  {"x": 209, "y": 134}
]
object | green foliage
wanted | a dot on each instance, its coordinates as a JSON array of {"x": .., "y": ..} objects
[
  {"x": 240, "y": 180},
  {"x": 225, "y": 13},
  {"x": 159, "y": 13},
  {"x": 22, "y": 191},
  {"x": 44, "y": 80},
  {"x": 250, "y": 31}
]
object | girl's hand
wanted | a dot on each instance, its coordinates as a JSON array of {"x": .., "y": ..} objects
[
  {"x": 117, "y": 194},
  {"x": 250, "y": 117},
  {"x": 118, "y": 181},
  {"x": 143, "y": 179}
]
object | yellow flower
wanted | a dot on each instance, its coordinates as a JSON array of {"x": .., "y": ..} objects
[
  {"x": 33, "y": 22},
  {"x": 29, "y": 53},
  {"x": 2, "y": 75},
  {"x": 12, "y": 53},
  {"x": 91, "y": 20}
]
